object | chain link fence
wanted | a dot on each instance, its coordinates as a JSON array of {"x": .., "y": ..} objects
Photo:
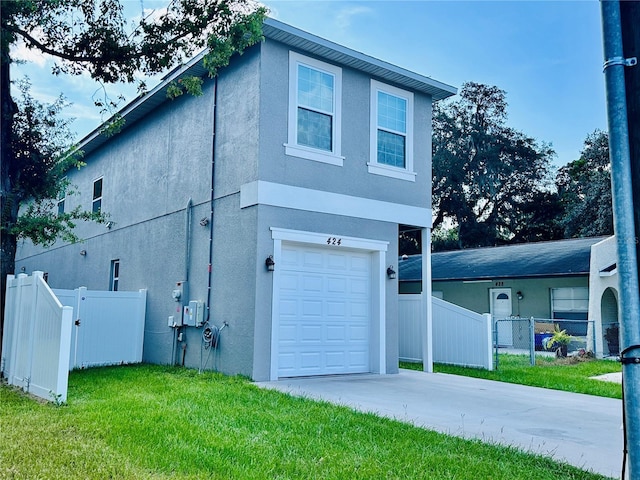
[{"x": 532, "y": 336}]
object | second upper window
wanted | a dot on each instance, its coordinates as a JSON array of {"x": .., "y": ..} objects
[
  {"x": 391, "y": 132},
  {"x": 315, "y": 90}
]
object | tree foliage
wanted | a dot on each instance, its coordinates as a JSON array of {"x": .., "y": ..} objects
[
  {"x": 486, "y": 175},
  {"x": 584, "y": 188},
  {"x": 94, "y": 38}
]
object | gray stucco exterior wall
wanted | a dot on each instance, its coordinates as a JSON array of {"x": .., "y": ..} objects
[{"x": 157, "y": 177}]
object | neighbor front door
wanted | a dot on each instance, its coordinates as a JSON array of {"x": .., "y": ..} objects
[{"x": 501, "y": 308}]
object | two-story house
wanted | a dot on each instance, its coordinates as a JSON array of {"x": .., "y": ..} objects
[{"x": 267, "y": 209}]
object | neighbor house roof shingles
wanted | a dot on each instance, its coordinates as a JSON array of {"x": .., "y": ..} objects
[{"x": 526, "y": 260}]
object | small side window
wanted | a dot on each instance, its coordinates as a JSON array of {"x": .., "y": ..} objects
[
  {"x": 96, "y": 205},
  {"x": 115, "y": 275},
  {"x": 61, "y": 199}
]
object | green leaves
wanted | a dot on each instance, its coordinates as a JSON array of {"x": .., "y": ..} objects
[{"x": 485, "y": 173}]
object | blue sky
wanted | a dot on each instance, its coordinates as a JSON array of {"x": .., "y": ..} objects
[{"x": 546, "y": 55}]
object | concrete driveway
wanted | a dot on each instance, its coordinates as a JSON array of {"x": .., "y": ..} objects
[{"x": 583, "y": 430}]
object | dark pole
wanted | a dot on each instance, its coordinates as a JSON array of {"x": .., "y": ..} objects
[
  {"x": 625, "y": 225},
  {"x": 630, "y": 27}
]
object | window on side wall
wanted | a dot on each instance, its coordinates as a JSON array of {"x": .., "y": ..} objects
[
  {"x": 315, "y": 91},
  {"x": 62, "y": 195},
  {"x": 115, "y": 275},
  {"x": 571, "y": 304},
  {"x": 96, "y": 205},
  {"x": 391, "y": 132}
]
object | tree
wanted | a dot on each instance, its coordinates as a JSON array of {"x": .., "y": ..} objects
[
  {"x": 486, "y": 175},
  {"x": 92, "y": 37},
  {"x": 584, "y": 187}
]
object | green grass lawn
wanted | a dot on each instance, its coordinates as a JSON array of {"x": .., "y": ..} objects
[
  {"x": 570, "y": 374},
  {"x": 153, "y": 422}
]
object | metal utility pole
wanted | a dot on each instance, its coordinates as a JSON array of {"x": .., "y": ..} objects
[
  {"x": 630, "y": 27},
  {"x": 615, "y": 66}
]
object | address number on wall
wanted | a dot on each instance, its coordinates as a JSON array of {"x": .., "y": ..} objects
[{"x": 334, "y": 241}]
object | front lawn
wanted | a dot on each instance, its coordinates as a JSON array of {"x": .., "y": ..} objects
[
  {"x": 153, "y": 422},
  {"x": 569, "y": 374}
]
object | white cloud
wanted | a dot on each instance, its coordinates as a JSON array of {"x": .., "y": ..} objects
[
  {"x": 345, "y": 15},
  {"x": 20, "y": 52}
]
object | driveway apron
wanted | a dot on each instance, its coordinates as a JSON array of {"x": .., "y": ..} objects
[{"x": 582, "y": 430}]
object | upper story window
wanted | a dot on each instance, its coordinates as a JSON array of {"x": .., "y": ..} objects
[
  {"x": 391, "y": 132},
  {"x": 315, "y": 97},
  {"x": 96, "y": 204}
]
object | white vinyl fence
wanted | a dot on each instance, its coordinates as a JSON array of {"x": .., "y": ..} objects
[
  {"x": 37, "y": 336},
  {"x": 49, "y": 332},
  {"x": 460, "y": 336},
  {"x": 108, "y": 327}
]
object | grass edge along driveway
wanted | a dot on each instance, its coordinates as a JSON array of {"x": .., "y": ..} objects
[
  {"x": 571, "y": 374},
  {"x": 154, "y": 422}
]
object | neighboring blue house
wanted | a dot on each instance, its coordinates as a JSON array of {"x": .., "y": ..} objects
[{"x": 269, "y": 206}]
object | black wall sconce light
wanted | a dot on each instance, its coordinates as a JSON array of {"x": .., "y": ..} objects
[
  {"x": 270, "y": 263},
  {"x": 83, "y": 252},
  {"x": 391, "y": 273},
  {"x": 519, "y": 295}
]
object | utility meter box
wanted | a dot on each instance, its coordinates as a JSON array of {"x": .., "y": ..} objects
[{"x": 194, "y": 314}]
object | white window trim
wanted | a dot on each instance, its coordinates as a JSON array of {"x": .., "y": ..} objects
[
  {"x": 374, "y": 167},
  {"x": 94, "y": 200},
  {"x": 114, "y": 278},
  {"x": 291, "y": 147},
  {"x": 62, "y": 199}
]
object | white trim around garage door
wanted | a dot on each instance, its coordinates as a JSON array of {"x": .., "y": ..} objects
[{"x": 378, "y": 251}]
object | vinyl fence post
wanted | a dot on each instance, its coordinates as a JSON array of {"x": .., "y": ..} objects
[
  {"x": 532, "y": 341},
  {"x": 495, "y": 340}
]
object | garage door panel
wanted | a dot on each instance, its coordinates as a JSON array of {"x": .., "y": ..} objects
[
  {"x": 358, "y": 333},
  {"x": 311, "y": 334},
  {"x": 289, "y": 282},
  {"x": 359, "y": 359},
  {"x": 312, "y": 308},
  {"x": 360, "y": 265},
  {"x": 337, "y": 262},
  {"x": 337, "y": 285},
  {"x": 288, "y": 334},
  {"x": 336, "y": 333},
  {"x": 325, "y": 311},
  {"x": 312, "y": 259},
  {"x": 358, "y": 286},
  {"x": 312, "y": 283},
  {"x": 359, "y": 310},
  {"x": 310, "y": 360},
  {"x": 335, "y": 360}
]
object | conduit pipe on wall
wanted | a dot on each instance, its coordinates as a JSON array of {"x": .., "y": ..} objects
[
  {"x": 622, "y": 193},
  {"x": 213, "y": 166},
  {"x": 187, "y": 240}
]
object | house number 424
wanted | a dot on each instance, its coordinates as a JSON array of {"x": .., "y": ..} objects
[{"x": 334, "y": 241}]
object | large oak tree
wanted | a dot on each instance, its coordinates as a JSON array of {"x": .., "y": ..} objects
[{"x": 486, "y": 175}]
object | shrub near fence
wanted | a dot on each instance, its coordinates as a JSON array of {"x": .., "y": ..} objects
[{"x": 531, "y": 335}]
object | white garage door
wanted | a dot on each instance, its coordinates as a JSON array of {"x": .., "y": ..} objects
[{"x": 324, "y": 311}]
